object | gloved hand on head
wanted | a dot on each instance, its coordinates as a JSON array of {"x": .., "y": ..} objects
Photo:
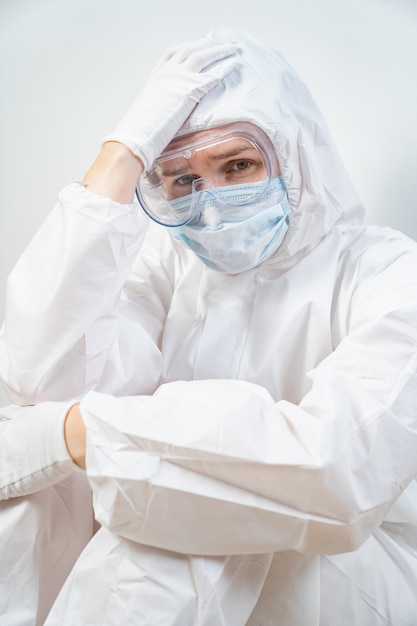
[{"x": 183, "y": 75}]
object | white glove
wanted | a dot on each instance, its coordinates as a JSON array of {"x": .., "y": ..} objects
[
  {"x": 33, "y": 453},
  {"x": 182, "y": 76}
]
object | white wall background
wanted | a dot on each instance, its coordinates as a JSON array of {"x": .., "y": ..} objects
[{"x": 69, "y": 69}]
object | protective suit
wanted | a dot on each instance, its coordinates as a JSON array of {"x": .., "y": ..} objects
[{"x": 264, "y": 423}]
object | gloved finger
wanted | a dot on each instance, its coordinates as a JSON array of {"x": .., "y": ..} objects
[
  {"x": 207, "y": 58},
  {"x": 181, "y": 51},
  {"x": 188, "y": 53},
  {"x": 216, "y": 72}
]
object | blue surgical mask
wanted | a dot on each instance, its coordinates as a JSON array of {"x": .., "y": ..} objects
[{"x": 233, "y": 239}]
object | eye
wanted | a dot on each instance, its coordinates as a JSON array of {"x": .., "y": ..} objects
[
  {"x": 241, "y": 165},
  {"x": 182, "y": 181}
]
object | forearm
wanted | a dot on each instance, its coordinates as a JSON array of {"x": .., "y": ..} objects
[
  {"x": 233, "y": 472},
  {"x": 114, "y": 174}
]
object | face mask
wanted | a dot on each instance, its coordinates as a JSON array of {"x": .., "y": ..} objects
[{"x": 233, "y": 239}]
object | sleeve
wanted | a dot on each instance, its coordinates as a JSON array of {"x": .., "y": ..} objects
[
  {"x": 218, "y": 467},
  {"x": 69, "y": 326},
  {"x": 33, "y": 454}
]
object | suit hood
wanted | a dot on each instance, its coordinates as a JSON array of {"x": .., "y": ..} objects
[{"x": 265, "y": 90}]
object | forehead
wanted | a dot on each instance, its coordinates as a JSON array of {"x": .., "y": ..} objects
[{"x": 218, "y": 132}]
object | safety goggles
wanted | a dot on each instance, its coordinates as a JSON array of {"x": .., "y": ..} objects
[{"x": 193, "y": 170}]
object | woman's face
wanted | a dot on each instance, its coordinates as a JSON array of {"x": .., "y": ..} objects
[{"x": 237, "y": 160}]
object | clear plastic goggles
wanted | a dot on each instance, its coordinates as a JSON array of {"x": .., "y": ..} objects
[{"x": 191, "y": 171}]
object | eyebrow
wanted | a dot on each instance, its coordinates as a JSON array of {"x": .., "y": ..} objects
[
  {"x": 231, "y": 153},
  {"x": 178, "y": 171}
]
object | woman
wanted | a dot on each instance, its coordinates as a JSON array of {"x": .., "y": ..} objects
[{"x": 236, "y": 373}]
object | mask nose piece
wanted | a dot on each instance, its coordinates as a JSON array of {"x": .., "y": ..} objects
[
  {"x": 202, "y": 184},
  {"x": 204, "y": 204}
]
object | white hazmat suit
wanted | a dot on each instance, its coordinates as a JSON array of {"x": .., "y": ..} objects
[{"x": 264, "y": 423}]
